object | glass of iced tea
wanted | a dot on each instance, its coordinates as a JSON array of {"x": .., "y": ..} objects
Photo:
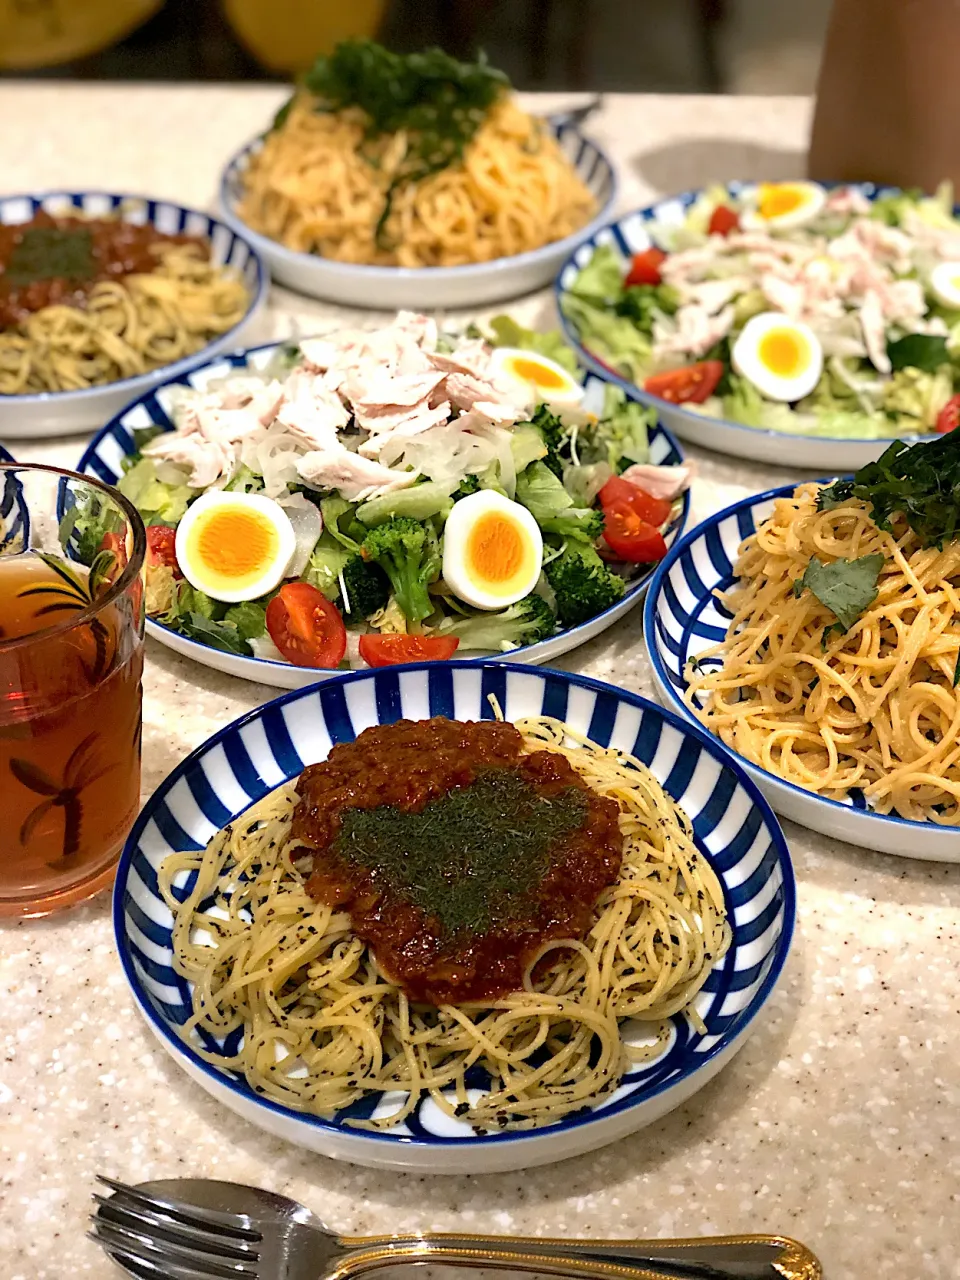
[{"x": 71, "y": 658}]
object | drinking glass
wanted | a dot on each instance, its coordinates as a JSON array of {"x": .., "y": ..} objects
[{"x": 71, "y": 659}]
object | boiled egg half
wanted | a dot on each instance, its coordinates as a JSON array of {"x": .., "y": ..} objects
[
  {"x": 492, "y": 550},
  {"x": 234, "y": 546},
  {"x": 532, "y": 379},
  {"x": 783, "y": 358},
  {"x": 784, "y": 204},
  {"x": 945, "y": 283}
]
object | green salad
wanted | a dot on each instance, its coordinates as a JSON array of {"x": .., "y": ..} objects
[{"x": 788, "y": 307}]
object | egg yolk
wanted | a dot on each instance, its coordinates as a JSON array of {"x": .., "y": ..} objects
[
  {"x": 235, "y": 544},
  {"x": 531, "y": 371},
  {"x": 775, "y": 201},
  {"x": 783, "y": 352},
  {"x": 496, "y": 550}
]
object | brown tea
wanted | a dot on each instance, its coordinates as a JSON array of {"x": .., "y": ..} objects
[{"x": 70, "y": 710}]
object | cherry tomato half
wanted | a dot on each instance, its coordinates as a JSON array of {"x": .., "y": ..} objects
[
  {"x": 949, "y": 416},
  {"x": 161, "y": 547},
  {"x": 618, "y": 492},
  {"x": 632, "y": 538},
  {"x": 645, "y": 268},
  {"x": 723, "y": 220},
  {"x": 306, "y": 627},
  {"x": 385, "y": 651},
  {"x": 690, "y": 385}
]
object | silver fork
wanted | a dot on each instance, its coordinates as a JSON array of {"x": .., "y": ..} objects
[{"x": 198, "y": 1229}]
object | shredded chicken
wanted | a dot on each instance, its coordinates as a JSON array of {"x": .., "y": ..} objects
[{"x": 661, "y": 481}]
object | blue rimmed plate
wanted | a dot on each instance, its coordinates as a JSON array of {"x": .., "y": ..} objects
[
  {"x": 733, "y": 827},
  {"x": 683, "y": 617},
  {"x": 14, "y": 520},
  {"x": 631, "y": 234},
  {"x": 59, "y": 412},
  {"x": 104, "y": 459},
  {"x": 423, "y": 288}
]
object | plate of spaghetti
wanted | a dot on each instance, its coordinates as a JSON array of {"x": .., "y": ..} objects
[
  {"x": 814, "y": 630},
  {"x": 102, "y": 296},
  {"x": 414, "y": 180},
  {"x": 450, "y": 912}
]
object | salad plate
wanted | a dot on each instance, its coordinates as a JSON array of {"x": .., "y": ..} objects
[
  {"x": 683, "y": 618},
  {"x": 733, "y": 828},
  {"x": 38, "y": 414},
  {"x": 237, "y": 640},
  {"x": 675, "y": 302}
]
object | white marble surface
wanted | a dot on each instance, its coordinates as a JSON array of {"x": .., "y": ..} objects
[{"x": 839, "y": 1122}]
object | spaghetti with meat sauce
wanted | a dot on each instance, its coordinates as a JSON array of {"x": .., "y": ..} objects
[
  {"x": 531, "y": 847},
  {"x": 443, "y": 902}
]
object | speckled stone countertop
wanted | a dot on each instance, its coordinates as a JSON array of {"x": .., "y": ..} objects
[{"x": 838, "y": 1123}]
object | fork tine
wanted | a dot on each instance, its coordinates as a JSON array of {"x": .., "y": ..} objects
[
  {"x": 115, "y": 1210},
  {"x": 164, "y": 1249},
  {"x": 191, "y": 1213},
  {"x": 164, "y": 1254},
  {"x": 140, "y": 1265}
]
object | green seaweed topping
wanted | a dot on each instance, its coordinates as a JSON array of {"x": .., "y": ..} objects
[
  {"x": 439, "y": 101},
  {"x": 472, "y": 859}
]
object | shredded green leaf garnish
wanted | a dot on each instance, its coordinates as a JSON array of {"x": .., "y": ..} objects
[
  {"x": 437, "y": 100},
  {"x": 472, "y": 858},
  {"x": 921, "y": 482}
]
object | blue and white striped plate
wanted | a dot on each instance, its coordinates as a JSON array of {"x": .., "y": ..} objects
[
  {"x": 631, "y": 234},
  {"x": 683, "y": 617},
  {"x": 104, "y": 459},
  {"x": 58, "y": 412},
  {"x": 14, "y": 519},
  {"x": 424, "y": 288},
  {"x": 733, "y": 826}
]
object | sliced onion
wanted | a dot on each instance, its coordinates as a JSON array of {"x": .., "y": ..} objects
[{"x": 307, "y": 527}]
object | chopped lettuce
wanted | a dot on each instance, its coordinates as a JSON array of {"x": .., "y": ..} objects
[
  {"x": 584, "y": 481},
  {"x": 157, "y": 501},
  {"x": 913, "y": 394},
  {"x": 612, "y": 338},
  {"x": 541, "y": 492},
  {"x": 420, "y": 502},
  {"x": 326, "y": 563},
  {"x": 620, "y": 437},
  {"x": 602, "y": 277},
  {"x": 506, "y": 332},
  {"x": 245, "y": 481},
  {"x": 249, "y": 617},
  {"x": 340, "y": 521},
  {"x": 527, "y": 445}
]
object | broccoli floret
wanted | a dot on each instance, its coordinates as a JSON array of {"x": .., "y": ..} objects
[
  {"x": 583, "y": 584},
  {"x": 409, "y": 554},
  {"x": 583, "y": 524},
  {"x": 365, "y": 588},
  {"x": 555, "y": 436},
  {"x": 468, "y": 485},
  {"x": 526, "y": 622}
]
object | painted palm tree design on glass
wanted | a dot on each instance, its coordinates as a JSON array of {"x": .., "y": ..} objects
[{"x": 84, "y": 767}]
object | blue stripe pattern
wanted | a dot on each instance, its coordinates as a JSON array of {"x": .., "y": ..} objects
[
  {"x": 14, "y": 514},
  {"x": 104, "y": 459},
  {"x": 733, "y": 827},
  {"x": 228, "y": 248}
]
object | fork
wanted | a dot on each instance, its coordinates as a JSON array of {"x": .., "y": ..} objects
[{"x": 199, "y": 1229}]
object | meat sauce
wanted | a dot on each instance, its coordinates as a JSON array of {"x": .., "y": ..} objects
[
  {"x": 58, "y": 260},
  {"x": 411, "y": 767}
]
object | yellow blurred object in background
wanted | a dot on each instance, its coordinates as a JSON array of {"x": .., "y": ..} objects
[
  {"x": 288, "y": 35},
  {"x": 41, "y": 33}
]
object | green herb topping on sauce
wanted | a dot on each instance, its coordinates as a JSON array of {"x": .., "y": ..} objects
[
  {"x": 472, "y": 858},
  {"x": 49, "y": 253}
]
